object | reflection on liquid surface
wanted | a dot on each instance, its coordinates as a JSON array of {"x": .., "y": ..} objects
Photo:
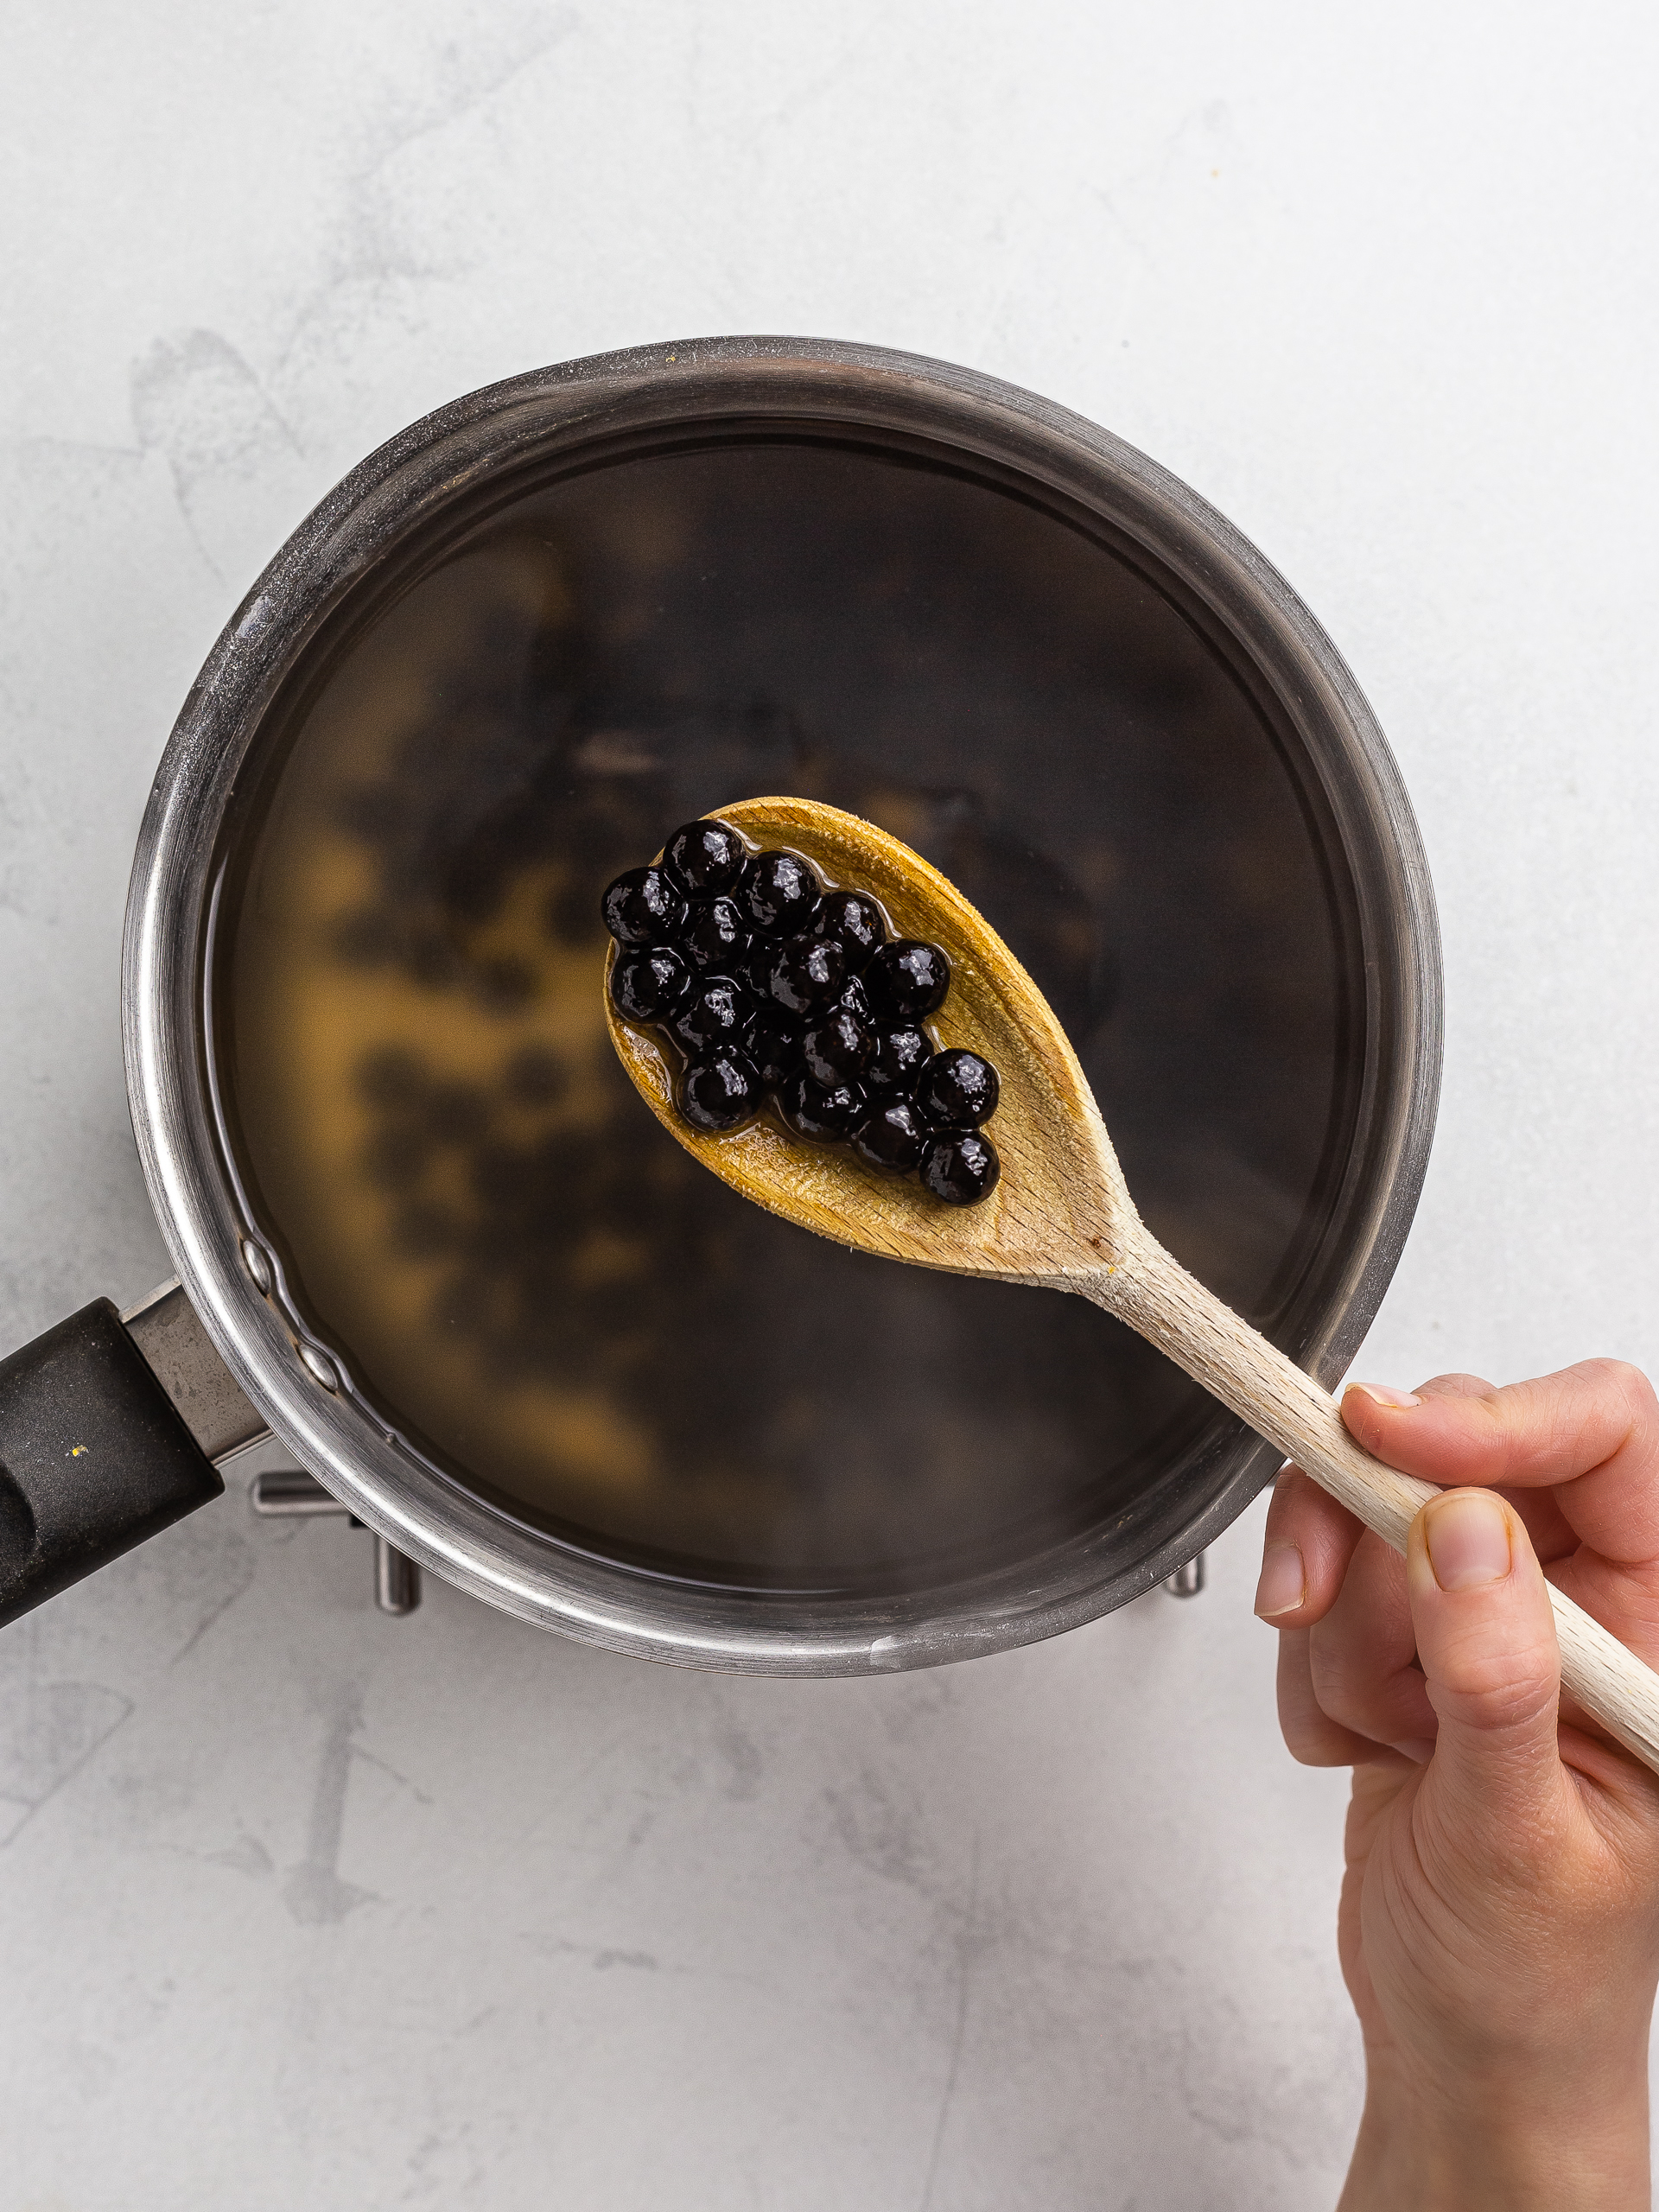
[{"x": 519, "y": 1268}]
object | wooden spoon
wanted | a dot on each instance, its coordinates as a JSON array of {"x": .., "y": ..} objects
[{"x": 1061, "y": 1216}]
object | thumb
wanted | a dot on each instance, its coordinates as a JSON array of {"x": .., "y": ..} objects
[{"x": 1486, "y": 1641}]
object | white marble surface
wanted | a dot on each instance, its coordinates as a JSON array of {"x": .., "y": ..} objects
[{"x": 300, "y": 1906}]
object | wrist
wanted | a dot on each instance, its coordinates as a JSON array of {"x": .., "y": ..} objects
[{"x": 1510, "y": 2146}]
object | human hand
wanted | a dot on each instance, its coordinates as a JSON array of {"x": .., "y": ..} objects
[{"x": 1499, "y": 1924}]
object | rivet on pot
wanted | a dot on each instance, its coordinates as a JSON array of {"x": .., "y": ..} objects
[
  {"x": 320, "y": 1367},
  {"x": 257, "y": 1266}
]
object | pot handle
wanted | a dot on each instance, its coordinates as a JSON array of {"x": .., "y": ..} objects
[{"x": 94, "y": 1456}]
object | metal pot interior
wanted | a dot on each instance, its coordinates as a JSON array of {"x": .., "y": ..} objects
[{"x": 534, "y": 1300}]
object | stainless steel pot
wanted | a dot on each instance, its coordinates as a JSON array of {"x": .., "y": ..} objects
[{"x": 465, "y": 459}]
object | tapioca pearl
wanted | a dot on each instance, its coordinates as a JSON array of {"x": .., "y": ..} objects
[
  {"x": 958, "y": 1089},
  {"x": 720, "y": 1091},
  {"x": 805, "y": 973},
  {"x": 893, "y": 1138},
  {"x": 716, "y": 934},
  {"x": 899, "y": 1057},
  {"x": 781, "y": 892},
  {"x": 908, "y": 980},
  {"x": 649, "y": 981},
  {"x": 643, "y": 906},
  {"x": 961, "y": 1168},
  {"x": 856, "y": 921},
  {"x": 707, "y": 856},
  {"x": 826, "y": 1114},
  {"x": 717, "y": 1010},
  {"x": 836, "y": 1048},
  {"x": 772, "y": 1042}
]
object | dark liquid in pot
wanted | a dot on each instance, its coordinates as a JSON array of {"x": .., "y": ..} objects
[{"x": 521, "y": 1272}]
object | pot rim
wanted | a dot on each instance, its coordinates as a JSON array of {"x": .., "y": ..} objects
[{"x": 494, "y": 433}]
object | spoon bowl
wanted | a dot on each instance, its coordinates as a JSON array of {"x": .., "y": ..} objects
[
  {"x": 1061, "y": 1190},
  {"x": 1061, "y": 1216}
]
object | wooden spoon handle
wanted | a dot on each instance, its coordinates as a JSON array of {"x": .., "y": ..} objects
[{"x": 1160, "y": 1302}]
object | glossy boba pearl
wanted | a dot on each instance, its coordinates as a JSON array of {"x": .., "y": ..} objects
[
  {"x": 642, "y": 907},
  {"x": 908, "y": 979},
  {"x": 856, "y": 921},
  {"x": 705, "y": 856},
  {"x": 900, "y": 1056},
  {"x": 825, "y": 1115},
  {"x": 716, "y": 934},
  {"x": 716, "y": 1011},
  {"x": 957, "y": 1090},
  {"x": 772, "y": 1042},
  {"x": 837, "y": 1049},
  {"x": 805, "y": 973},
  {"x": 961, "y": 1168},
  {"x": 781, "y": 891},
  {"x": 648, "y": 982},
  {"x": 857, "y": 1000},
  {"x": 893, "y": 1139},
  {"x": 720, "y": 1091}
]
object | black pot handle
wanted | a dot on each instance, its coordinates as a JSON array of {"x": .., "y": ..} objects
[{"x": 94, "y": 1454}]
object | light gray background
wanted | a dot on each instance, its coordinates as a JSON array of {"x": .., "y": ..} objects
[{"x": 299, "y": 1906}]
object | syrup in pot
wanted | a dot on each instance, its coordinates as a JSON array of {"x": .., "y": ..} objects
[{"x": 520, "y": 1270}]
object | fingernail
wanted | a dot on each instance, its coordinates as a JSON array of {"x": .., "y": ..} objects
[
  {"x": 1468, "y": 1539},
  {"x": 1385, "y": 1394},
  {"x": 1283, "y": 1583}
]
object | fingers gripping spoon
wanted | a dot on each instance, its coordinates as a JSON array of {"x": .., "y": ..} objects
[{"x": 1061, "y": 1216}]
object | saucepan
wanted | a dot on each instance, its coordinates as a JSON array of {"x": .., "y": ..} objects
[{"x": 424, "y": 1230}]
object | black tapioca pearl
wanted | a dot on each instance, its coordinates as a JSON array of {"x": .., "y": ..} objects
[
  {"x": 642, "y": 906},
  {"x": 857, "y": 1000},
  {"x": 893, "y": 1139},
  {"x": 754, "y": 969},
  {"x": 781, "y": 892},
  {"x": 961, "y": 1168},
  {"x": 715, "y": 1011},
  {"x": 857, "y": 922},
  {"x": 716, "y": 934},
  {"x": 648, "y": 981},
  {"x": 836, "y": 1048},
  {"x": 900, "y": 1055},
  {"x": 721, "y": 1090},
  {"x": 705, "y": 856},
  {"x": 805, "y": 973},
  {"x": 772, "y": 1042},
  {"x": 825, "y": 1114},
  {"x": 958, "y": 1089},
  {"x": 908, "y": 979}
]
